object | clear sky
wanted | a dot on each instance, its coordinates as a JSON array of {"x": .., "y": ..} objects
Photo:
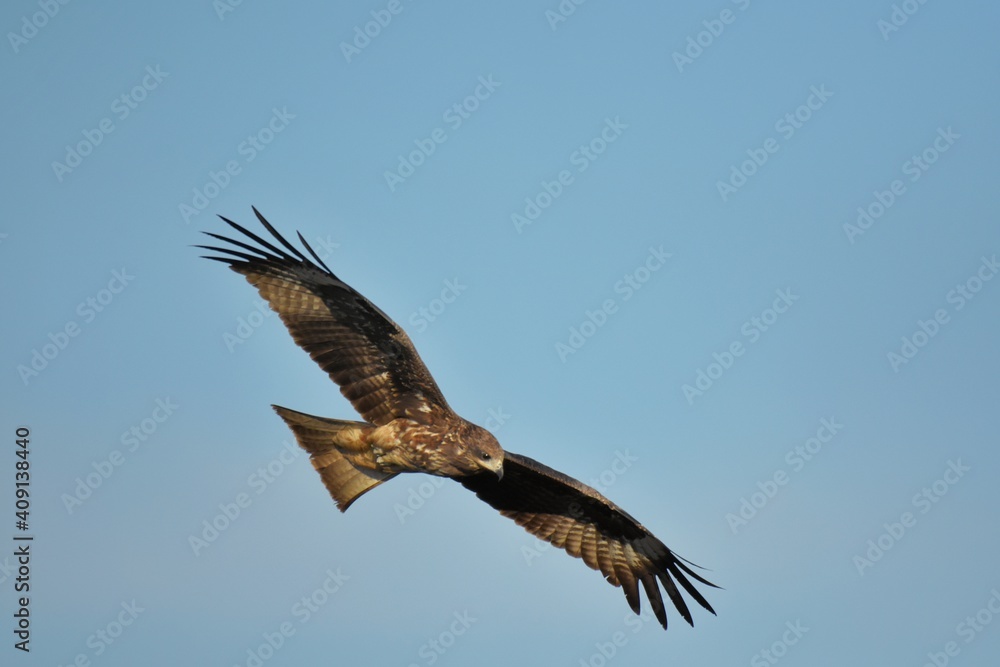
[{"x": 735, "y": 263}]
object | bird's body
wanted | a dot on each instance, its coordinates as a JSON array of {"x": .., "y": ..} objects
[
  {"x": 431, "y": 445},
  {"x": 409, "y": 427}
]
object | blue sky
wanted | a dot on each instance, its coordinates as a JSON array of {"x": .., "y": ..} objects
[{"x": 732, "y": 262}]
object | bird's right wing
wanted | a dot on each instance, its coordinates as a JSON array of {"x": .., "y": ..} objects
[{"x": 576, "y": 518}]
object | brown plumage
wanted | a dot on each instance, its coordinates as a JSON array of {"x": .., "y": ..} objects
[{"x": 409, "y": 427}]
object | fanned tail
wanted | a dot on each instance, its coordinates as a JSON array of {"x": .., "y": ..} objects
[{"x": 338, "y": 452}]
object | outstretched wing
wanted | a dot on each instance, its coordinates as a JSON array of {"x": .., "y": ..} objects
[
  {"x": 363, "y": 350},
  {"x": 574, "y": 517}
]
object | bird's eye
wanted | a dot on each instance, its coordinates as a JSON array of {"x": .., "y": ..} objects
[{"x": 486, "y": 457}]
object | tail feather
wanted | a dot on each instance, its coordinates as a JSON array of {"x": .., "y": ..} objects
[{"x": 337, "y": 450}]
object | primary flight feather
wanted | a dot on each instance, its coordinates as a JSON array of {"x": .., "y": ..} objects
[{"x": 409, "y": 426}]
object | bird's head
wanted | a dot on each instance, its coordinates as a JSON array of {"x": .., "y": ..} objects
[{"x": 482, "y": 452}]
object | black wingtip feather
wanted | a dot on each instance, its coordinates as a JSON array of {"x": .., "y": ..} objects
[
  {"x": 243, "y": 230},
  {"x": 242, "y": 255},
  {"x": 689, "y": 587},
  {"x": 224, "y": 260},
  {"x": 275, "y": 253},
  {"x": 631, "y": 589},
  {"x": 281, "y": 239},
  {"x": 241, "y": 244},
  {"x": 675, "y": 596},
  {"x": 313, "y": 253},
  {"x": 655, "y": 599},
  {"x": 680, "y": 562}
]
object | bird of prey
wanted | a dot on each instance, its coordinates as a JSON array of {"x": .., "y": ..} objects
[{"x": 409, "y": 427}]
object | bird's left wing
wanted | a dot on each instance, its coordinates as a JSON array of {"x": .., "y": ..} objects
[
  {"x": 367, "y": 354},
  {"x": 576, "y": 518}
]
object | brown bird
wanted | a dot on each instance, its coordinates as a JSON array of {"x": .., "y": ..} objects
[{"x": 409, "y": 427}]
